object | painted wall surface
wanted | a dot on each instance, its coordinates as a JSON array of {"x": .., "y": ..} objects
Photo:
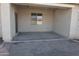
[
  {"x": 24, "y": 19},
  {"x": 77, "y": 28},
  {"x": 77, "y": 25},
  {"x": 0, "y": 23},
  {"x": 12, "y": 20},
  {"x": 62, "y": 20},
  {"x": 74, "y": 31},
  {"x": 7, "y": 21}
]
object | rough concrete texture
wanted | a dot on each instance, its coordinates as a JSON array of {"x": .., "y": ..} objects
[
  {"x": 43, "y": 44},
  {"x": 4, "y": 50},
  {"x": 45, "y": 48}
]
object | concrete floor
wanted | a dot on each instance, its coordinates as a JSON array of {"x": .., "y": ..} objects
[
  {"x": 42, "y": 44},
  {"x": 45, "y": 48},
  {"x": 37, "y": 36},
  {"x": 4, "y": 49}
]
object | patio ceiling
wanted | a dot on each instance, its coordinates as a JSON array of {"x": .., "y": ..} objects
[{"x": 47, "y": 5}]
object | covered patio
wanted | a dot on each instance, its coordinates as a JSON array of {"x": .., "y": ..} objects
[
  {"x": 56, "y": 18},
  {"x": 39, "y": 29}
]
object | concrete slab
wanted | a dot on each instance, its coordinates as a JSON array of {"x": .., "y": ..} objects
[
  {"x": 4, "y": 50},
  {"x": 45, "y": 48},
  {"x": 37, "y": 36},
  {"x": 42, "y": 44}
]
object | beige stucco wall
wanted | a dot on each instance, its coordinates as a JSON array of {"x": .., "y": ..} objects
[
  {"x": 62, "y": 20},
  {"x": 7, "y": 21},
  {"x": 74, "y": 29},
  {"x": 24, "y": 19},
  {"x": 0, "y": 23}
]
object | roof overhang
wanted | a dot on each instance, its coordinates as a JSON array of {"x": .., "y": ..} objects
[{"x": 52, "y": 5}]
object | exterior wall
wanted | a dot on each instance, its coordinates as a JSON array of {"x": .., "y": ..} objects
[
  {"x": 7, "y": 21},
  {"x": 24, "y": 19},
  {"x": 0, "y": 23},
  {"x": 73, "y": 23},
  {"x": 12, "y": 20},
  {"x": 74, "y": 29},
  {"x": 77, "y": 29},
  {"x": 77, "y": 24},
  {"x": 62, "y": 20}
]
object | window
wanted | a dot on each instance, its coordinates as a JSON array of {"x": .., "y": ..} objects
[{"x": 36, "y": 18}]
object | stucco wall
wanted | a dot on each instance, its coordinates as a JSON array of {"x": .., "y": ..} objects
[
  {"x": 62, "y": 20},
  {"x": 7, "y": 21},
  {"x": 74, "y": 31},
  {"x": 24, "y": 19},
  {"x": 77, "y": 26},
  {"x": 0, "y": 23},
  {"x": 12, "y": 20}
]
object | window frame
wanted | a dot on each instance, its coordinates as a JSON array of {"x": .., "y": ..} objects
[{"x": 37, "y": 18}]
